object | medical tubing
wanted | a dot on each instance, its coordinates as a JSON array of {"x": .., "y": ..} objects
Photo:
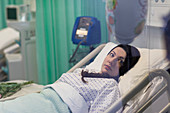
[
  {"x": 87, "y": 58},
  {"x": 76, "y": 51}
]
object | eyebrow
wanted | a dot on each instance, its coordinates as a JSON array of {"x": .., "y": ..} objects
[
  {"x": 114, "y": 52},
  {"x": 122, "y": 58}
]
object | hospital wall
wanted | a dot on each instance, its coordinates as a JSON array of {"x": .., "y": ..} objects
[{"x": 152, "y": 35}]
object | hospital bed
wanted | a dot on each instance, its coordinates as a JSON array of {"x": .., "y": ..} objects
[
  {"x": 8, "y": 38},
  {"x": 8, "y": 44},
  {"x": 147, "y": 72},
  {"x": 142, "y": 85}
]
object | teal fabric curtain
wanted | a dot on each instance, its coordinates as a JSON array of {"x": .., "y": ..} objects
[
  {"x": 16, "y": 2},
  {"x": 54, "y": 24},
  {"x": 3, "y": 4}
]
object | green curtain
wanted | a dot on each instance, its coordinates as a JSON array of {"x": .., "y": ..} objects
[
  {"x": 16, "y": 2},
  {"x": 3, "y": 4},
  {"x": 54, "y": 24}
]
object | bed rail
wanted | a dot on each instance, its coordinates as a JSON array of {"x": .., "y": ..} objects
[
  {"x": 146, "y": 79},
  {"x": 87, "y": 58},
  {"x": 166, "y": 109}
]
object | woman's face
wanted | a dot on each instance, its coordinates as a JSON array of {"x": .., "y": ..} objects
[{"x": 112, "y": 62}]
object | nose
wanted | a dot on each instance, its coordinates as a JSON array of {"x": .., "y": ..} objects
[{"x": 113, "y": 60}]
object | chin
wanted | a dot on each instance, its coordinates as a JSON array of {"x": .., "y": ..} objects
[{"x": 103, "y": 70}]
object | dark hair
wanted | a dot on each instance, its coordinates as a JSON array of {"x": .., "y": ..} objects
[
  {"x": 132, "y": 57},
  {"x": 94, "y": 75}
]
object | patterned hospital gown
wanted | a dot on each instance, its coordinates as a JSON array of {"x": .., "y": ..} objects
[{"x": 98, "y": 93}]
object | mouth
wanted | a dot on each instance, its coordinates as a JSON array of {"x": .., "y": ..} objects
[{"x": 107, "y": 67}]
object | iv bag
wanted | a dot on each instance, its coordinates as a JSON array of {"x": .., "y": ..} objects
[{"x": 129, "y": 19}]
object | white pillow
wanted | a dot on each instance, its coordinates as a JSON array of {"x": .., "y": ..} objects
[
  {"x": 150, "y": 59},
  {"x": 97, "y": 63}
]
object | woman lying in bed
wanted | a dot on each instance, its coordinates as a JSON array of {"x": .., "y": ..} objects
[{"x": 80, "y": 91}]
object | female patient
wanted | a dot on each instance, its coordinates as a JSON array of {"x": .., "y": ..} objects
[{"x": 80, "y": 91}]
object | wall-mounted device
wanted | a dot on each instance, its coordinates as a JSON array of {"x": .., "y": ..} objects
[
  {"x": 18, "y": 13},
  {"x": 86, "y": 29},
  {"x": 12, "y": 13},
  {"x": 86, "y": 32}
]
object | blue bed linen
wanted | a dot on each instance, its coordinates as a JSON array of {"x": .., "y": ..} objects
[
  {"x": 47, "y": 101},
  {"x": 71, "y": 97}
]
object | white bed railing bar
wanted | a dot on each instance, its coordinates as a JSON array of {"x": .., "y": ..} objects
[
  {"x": 125, "y": 98},
  {"x": 2, "y": 49},
  {"x": 87, "y": 58},
  {"x": 151, "y": 100},
  {"x": 147, "y": 78},
  {"x": 3, "y": 59},
  {"x": 166, "y": 109}
]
